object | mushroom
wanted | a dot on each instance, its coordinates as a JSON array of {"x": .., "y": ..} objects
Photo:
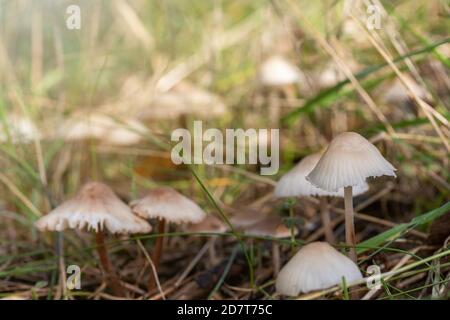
[
  {"x": 332, "y": 74},
  {"x": 278, "y": 71},
  {"x": 181, "y": 101},
  {"x": 166, "y": 204},
  {"x": 315, "y": 266},
  {"x": 272, "y": 226},
  {"x": 247, "y": 217},
  {"x": 96, "y": 207},
  {"x": 395, "y": 94},
  {"x": 294, "y": 184},
  {"x": 279, "y": 76},
  {"x": 18, "y": 129},
  {"x": 346, "y": 163},
  {"x": 104, "y": 128},
  {"x": 211, "y": 224}
]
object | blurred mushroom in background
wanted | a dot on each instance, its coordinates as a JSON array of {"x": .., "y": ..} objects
[
  {"x": 101, "y": 127},
  {"x": 273, "y": 227},
  {"x": 281, "y": 79},
  {"x": 396, "y": 95},
  {"x": 330, "y": 75},
  {"x": 210, "y": 224},
  {"x": 18, "y": 129}
]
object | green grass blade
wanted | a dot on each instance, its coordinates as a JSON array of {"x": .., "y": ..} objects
[{"x": 396, "y": 231}]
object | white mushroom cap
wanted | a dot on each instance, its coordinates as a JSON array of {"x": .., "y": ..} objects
[
  {"x": 315, "y": 266},
  {"x": 277, "y": 71},
  {"x": 294, "y": 183},
  {"x": 396, "y": 93},
  {"x": 348, "y": 161},
  {"x": 167, "y": 203},
  {"x": 95, "y": 207}
]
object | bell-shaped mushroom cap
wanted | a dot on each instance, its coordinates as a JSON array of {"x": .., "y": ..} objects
[
  {"x": 271, "y": 226},
  {"x": 294, "y": 183},
  {"x": 167, "y": 203},
  {"x": 315, "y": 266},
  {"x": 102, "y": 127},
  {"x": 348, "y": 161},
  {"x": 95, "y": 207},
  {"x": 277, "y": 71},
  {"x": 209, "y": 224}
]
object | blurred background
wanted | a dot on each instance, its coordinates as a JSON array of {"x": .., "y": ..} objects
[{"x": 100, "y": 101}]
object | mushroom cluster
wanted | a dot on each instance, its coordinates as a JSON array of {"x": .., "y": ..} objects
[
  {"x": 95, "y": 207},
  {"x": 340, "y": 171}
]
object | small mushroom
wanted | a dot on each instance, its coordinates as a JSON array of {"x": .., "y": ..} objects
[
  {"x": 272, "y": 226},
  {"x": 96, "y": 207},
  {"x": 181, "y": 101},
  {"x": 18, "y": 129},
  {"x": 278, "y": 71},
  {"x": 348, "y": 161},
  {"x": 280, "y": 77},
  {"x": 315, "y": 266},
  {"x": 332, "y": 74},
  {"x": 247, "y": 217},
  {"x": 98, "y": 126},
  {"x": 211, "y": 224},
  {"x": 294, "y": 184},
  {"x": 397, "y": 94},
  {"x": 166, "y": 204}
]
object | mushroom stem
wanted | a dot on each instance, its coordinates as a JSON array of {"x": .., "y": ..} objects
[
  {"x": 276, "y": 258},
  {"x": 326, "y": 221},
  {"x": 111, "y": 275},
  {"x": 350, "y": 237},
  {"x": 157, "y": 253}
]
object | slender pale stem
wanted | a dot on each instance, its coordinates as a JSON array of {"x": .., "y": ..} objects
[
  {"x": 111, "y": 275},
  {"x": 292, "y": 224},
  {"x": 158, "y": 251},
  {"x": 326, "y": 221},
  {"x": 350, "y": 237},
  {"x": 59, "y": 247}
]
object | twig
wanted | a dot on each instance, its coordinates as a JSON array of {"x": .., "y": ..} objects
[{"x": 155, "y": 274}]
